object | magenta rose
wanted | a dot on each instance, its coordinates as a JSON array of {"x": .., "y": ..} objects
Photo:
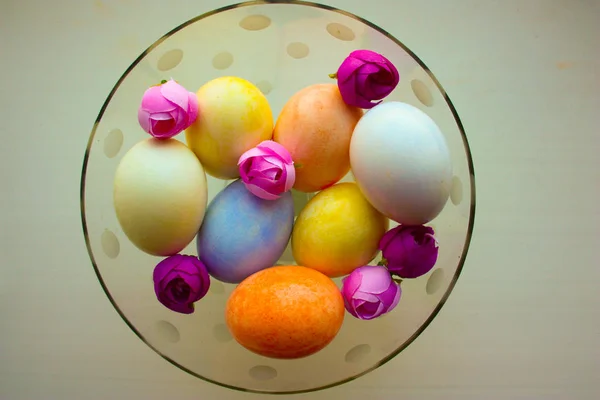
[
  {"x": 370, "y": 292},
  {"x": 180, "y": 281},
  {"x": 409, "y": 251},
  {"x": 267, "y": 170},
  {"x": 366, "y": 77},
  {"x": 167, "y": 109}
]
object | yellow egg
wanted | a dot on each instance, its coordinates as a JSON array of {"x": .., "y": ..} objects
[
  {"x": 160, "y": 196},
  {"x": 234, "y": 117},
  {"x": 337, "y": 231}
]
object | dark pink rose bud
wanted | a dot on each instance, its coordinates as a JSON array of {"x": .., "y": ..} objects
[
  {"x": 366, "y": 77},
  {"x": 409, "y": 251},
  {"x": 180, "y": 281}
]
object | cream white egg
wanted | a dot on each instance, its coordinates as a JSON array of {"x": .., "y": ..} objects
[
  {"x": 160, "y": 196},
  {"x": 401, "y": 162}
]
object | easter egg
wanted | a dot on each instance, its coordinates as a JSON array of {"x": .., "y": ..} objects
[
  {"x": 337, "y": 231},
  {"x": 315, "y": 126},
  {"x": 243, "y": 233},
  {"x": 401, "y": 161},
  {"x": 285, "y": 312},
  {"x": 160, "y": 196},
  {"x": 234, "y": 116}
]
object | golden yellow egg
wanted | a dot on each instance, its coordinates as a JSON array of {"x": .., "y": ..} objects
[
  {"x": 337, "y": 231},
  {"x": 234, "y": 117}
]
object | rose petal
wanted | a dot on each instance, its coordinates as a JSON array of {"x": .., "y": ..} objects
[
  {"x": 181, "y": 121},
  {"x": 368, "y": 69},
  {"x": 354, "y": 99},
  {"x": 259, "y": 192},
  {"x": 378, "y": 91},
  {"x": 387, "y": 238},
  {"x": 396, "y": 299},
  {"x": 347, "y": 68},
  {"x": 350, "y": 307},
  {"x": 274, "y": 160},
  {"x": 368, "y": 311},
  {"x": 162, "y": 128},
  {"x": 289, "y": 176},
  {"x": 390, "y": 296},
  {"x": 154, "y": 101},
  {"x": 161, "y": 116},
  {"x": 144, "y": 120},
  {"x": 175, "y": 93},
  {"x": 253, "y": 152},
  {"x": 366, "y": 296},
  {"x": 193, "y": 109},
  {"x": 348, "y": 92},
  {"x": 183, "y": 308},
  {"x": 192, "y": 280},
  {"x": 255, "y": 173},
  {"x": 351, "y": 283},
  {"x": 271, "y": 173},
  {"x": 165, "y": 266},
  {"x": 376, "y": 279},
  {"x": 368, "y": 56},
  {"x": 276, "y": 149}
]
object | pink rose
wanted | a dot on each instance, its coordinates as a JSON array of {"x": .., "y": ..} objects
[
  {"x": 370, "y": 292},
  {"x": 167, "y": 109},
  {"x": 267, "y": 170},
  {"x": 409, "y": 251},
  {"x": 180, "y": 281},
  {"x": 365, "y": 76}
]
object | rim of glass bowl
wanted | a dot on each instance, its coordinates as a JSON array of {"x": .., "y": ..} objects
[{"x": 471, "y": 183}]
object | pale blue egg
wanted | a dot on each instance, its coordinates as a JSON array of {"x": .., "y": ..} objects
[{"x": 243, "y": 234}]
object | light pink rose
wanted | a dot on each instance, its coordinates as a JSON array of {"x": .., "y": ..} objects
[
  {"x": 267, "y": 170},
  {"x": 167, "y": 109},
  {"x": 370, "y": 292}
]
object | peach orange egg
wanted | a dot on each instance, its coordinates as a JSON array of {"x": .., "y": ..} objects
[
  {"x": 316, "y": 126},
  {"x": 285, "y": 312}
]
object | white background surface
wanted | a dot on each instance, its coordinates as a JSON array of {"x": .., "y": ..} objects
[{"x": 524, "y": 319}]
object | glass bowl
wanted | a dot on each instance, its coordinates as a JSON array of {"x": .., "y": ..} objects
[{"x": 280, "y": 46}]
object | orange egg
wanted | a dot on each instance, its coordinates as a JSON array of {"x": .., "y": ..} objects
[
  {"x": 316, "y": 126},
  {"x": 285, "y": 312}
]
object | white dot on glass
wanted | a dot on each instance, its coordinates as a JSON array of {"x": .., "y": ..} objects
[
  {"x": 222, "y": 60},
  {"x": 113, "y": 143},
  {"x": 341, "y": 32},
  {"x": 357, "y": 353},
  {"x": 435, "y": 281},
  {"x": 110, "y": 244},
  {"x": 167, "y": 331},
  {"x": 297, "y": 50},
  {"x": 262, "y": 373},
  {"x": 456, "y": 191},
  {"x": 422, "y": 92},
  {"x": 265, "y": 87},
  {"x": 255, "y": 22},
  {"x": 170, "y": 60}
]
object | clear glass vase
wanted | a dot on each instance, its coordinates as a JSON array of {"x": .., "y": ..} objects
[{"x": 280, "y": 46}]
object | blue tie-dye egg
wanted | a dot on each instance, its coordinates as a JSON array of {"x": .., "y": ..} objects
[{"x": 242, "y": 234}]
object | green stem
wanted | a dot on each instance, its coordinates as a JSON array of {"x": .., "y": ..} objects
[
  {"x": 397, "y": 279},
  {"x": 333, "y": 76}
]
